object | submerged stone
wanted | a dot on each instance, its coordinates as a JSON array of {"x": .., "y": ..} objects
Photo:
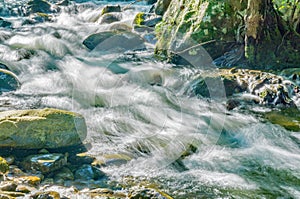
[
  {"x": 44, "y": 163},
  {"x": 8, "y": 81},
  {"x": 41, "y": 128},
  {"x": 88, "y": 172}
]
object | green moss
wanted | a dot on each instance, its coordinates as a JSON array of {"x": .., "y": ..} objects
[
  {"x": 3, "y": 166},
  {"x": 139, "y": 18}
]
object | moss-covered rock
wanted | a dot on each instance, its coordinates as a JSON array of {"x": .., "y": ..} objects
[
  {"x": 41, "y": 128},
  {"x": 187, "y": 23},
  {"x": 287, "y": 118},
  {"x": 4, "y": 168},
  {"x": 267, "y": 88}
]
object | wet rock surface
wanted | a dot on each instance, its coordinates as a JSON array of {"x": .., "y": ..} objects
[{"x": 41, "y": 128}]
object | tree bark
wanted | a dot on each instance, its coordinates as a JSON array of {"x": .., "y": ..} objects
[{"x": 266, "y": 36}]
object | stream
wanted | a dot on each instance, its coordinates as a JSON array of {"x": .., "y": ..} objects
[{"x": 137, "y": 107}]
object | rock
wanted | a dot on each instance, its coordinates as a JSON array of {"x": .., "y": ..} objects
[
  {"x": 12, "y": 194},
  {"x": 289, "y": 118},
  {"x": 4, "y": 24},
  {"x": 137, "y": 192},
  {"x": 189, "y": 23},
  {"x": 3, "y": 66},
  {"x": 29, "y": 180},
  {"x": 139, "y": 18},
  {"x": 88, "y": 172},
  {"x": 142, "y": 29},
  {"x": 41, "y": 6},
  {"x": 111, "y": 8},
  {"x": 41, "y": 128},
  {"x": 104, "y": 193},
  {"x": 114, "y": 41},
  {"x": 231, "y": 104},
  {"x": 46, "y": 195},
  {"x": 25, "y": 189},
  {"x": 8, "y": 186},
  {"x": 44, "y": 163},
  {"x": 111, "y": 17},
  {"x": 64, "y": 174},
  {"x": 8, "y": 81},
  {"x": 120, "y": 27},
  {"x": 4, "y": 168},
  {"x": 80, "y": 159},
  {"x": 64, "y": 3},
  {"x": 111, "y": 159},
  {"x": 161, "y": 6},
  {"x": 268, "y": 88},
  {"x": 152, "y": 21}
]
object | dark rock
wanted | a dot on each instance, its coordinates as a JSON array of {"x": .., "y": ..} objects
[
  {"x": 3, "y": 66},
  {"x": 8, "y": 81},
  {"x": 44, "y": 163},
  {"x": 63, "y": 174},
  {"x": 41, "y": 6},
  {"x": 152, "y": 22},
  {"x": 64, "y": 3},
  {"x": 161, "y": 6},
  {"x": 231, "y": 104},
  {"x": 4, "y": 24},
  {"x": 114, "y": 41},
  {"x": 80, "y": 159},
  {"x": 111, "y": 8},
  {"x": 88, "y": 172},
  {"x": 142, "y": 29},
  {"x": 111, "y": 17}
]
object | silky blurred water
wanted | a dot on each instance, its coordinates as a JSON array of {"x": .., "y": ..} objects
[{"x": 137, "y": 106}]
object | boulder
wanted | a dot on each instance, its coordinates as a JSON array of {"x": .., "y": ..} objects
[
  {"x": 41, "y": 128},
  {"x": 8, "y": 81},
  {"x": 266, "y": 88},
  {"x": 111, "y": 17},
  {"x": 44, "y": 163},
  {"x": 38, "y": 6},
  {"x": 187, "y": 23},
  {"x": 114, "y": 40},
  {"x": 111, "y": 8}
]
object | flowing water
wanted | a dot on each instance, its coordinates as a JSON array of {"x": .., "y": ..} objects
[{"x": 137, "y": 106}]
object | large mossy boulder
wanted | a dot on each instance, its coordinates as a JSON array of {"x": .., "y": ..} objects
[
  {"x": 110, "y": 41},
  {"x": 188, "y": 23},
  {"x": 41, "y": 128}
]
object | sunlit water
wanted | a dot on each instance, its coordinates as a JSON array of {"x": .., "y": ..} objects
[{"x": 140, "y": 108}]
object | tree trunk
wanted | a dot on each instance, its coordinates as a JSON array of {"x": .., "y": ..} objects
[{"x": 266, "y": 38}]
